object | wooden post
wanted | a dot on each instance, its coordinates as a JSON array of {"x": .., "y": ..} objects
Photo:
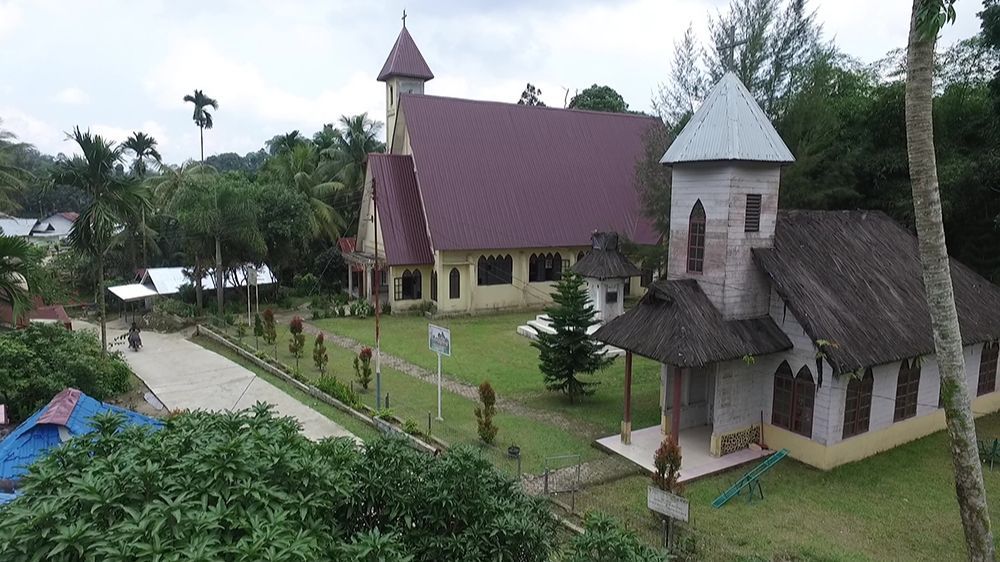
[
  {"x": 626, "y": 435},
  {"x": 675, "y": 417}
]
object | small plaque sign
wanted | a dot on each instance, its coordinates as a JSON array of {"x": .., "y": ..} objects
[
  {"x": 439, "y": 339},
  {"x": 665, "y": 503}
]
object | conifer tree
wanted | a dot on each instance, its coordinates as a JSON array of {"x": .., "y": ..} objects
[{"x": 570, "y": 351}]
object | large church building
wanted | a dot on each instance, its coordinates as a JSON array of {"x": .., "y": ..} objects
[{"x": 480, "y": 206}]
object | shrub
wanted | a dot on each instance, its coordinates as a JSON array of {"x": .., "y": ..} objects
[
  {"x": 667, "y": 460},
  {"x": 38, "y": 362},
  {"x": 338, "y": 390},
  {"x": 296, "y": 343},
  {"x": 270, "y": 333},
  {"x": 412, "y": 427},
  {"x": 426, "y": 307},
  {"x": 363, "y": 367},
  {"x": 485, "y": 412},
  {"x": 320, "y": 357},
  {"x": 258, "y": 329},
  {"x": 175, "y": 307},
  {"x": 384, "y": 414},
  {"x": 306, "y": 284},
  {"x": 361, "y": 308},
  {"x": 386, "y": 308},
  {"x": 604, "y": 539}
]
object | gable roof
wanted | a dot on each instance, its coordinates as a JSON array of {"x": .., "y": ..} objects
[
  {"x": 405, "y": 60},
  {"x": 498, "y": 175},
  {"x": 400, "y": 214},
  {"x": 604, "y": 260},
  {"x": 67, "y": 415},
  {"x": 676, "y": 324},
  {"x": 12, "y": 226},
  {"x": 729, "y": 125},
  {"x": 853, "y": 278}
]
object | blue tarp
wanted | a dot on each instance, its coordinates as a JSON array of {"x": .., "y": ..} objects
[{"x": 32, "y": 439}]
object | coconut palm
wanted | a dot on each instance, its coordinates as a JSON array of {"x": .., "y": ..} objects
[
  {"x": 14, "y": 274},
  {"x": 12, "y": 177},
  {"x": 143, "y": 146},
  {"x": 172, "y": 178},
  {"x": 114, "y": 200},
  {"x": 927, "y": 19},
  {"x": 202, "y": 118},
  {"x": 352, "y": 141},
  {"x": 302, "y": 169},
  {"x": 284, "y": 143}
]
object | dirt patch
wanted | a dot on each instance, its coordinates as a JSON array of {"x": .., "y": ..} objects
[{"x": 136, "y": 400}]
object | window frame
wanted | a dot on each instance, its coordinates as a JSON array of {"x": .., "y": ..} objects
[
  {"x": 793, "y": 395},
  {"x": 434, "y": 285},
  {"x": 907, "y": 391},
  {"x": 988, "y": 368},
  {"x": 696, "y": 238},
  {"x": 857, "y": 418},
  {"x": 454, "y": 284}
]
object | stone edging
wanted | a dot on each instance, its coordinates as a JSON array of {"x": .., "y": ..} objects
[{"x": 379, "y": 424}]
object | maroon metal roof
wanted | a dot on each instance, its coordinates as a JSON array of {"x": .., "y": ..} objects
[
  {"x": 400, "y": 214},
  {"x": 405, "y": 60},
  {"x": 347, "y": 244},
  {"x": 498, "y": 175}
]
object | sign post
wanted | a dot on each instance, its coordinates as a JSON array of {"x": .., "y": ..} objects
[
  {"x": 670, "y": 506},
  {"x": 439, "y": 341}
]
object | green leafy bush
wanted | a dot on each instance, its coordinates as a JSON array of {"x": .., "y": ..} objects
[
  {"x": 363, "y": 367},
  {"x": 43, "y": 359},
  {"x": 412, "y": 427},
  {"x": 604, "y": 540},
  {"x": 249, "y": 486},
  {"x": 176, "y": 307},
  {"x": 361, "y": 309},
  {"x": 306, "y": 284},
  {"x": 338, "y": 390},
  {"x": 485, "y": 412}
]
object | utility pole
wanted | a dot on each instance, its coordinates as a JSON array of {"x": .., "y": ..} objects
[{"x": 378, "y": 309}]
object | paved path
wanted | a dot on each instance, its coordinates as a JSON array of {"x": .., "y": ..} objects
[{"x": 184, "y": 375}]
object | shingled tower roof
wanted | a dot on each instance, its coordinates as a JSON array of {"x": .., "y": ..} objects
[
  {"x": 729, "y": 125},
  {"x": 405, "y": 60}
]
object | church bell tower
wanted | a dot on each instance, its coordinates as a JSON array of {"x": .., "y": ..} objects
[{"x": 405, "y": 71}]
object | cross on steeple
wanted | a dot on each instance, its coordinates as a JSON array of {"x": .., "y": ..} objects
[
  {"x": 404, "y": 17},
  {"x": 727, "y": 50}
]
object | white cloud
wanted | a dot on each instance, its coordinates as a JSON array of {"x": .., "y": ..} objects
[
  {"x": 30, "y": 129},
  {"x": 71, "y": 96},
  {"x": 10, "y": 18}
]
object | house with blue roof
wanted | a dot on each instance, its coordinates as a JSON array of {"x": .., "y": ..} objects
[{"x": 67, "y": 415}]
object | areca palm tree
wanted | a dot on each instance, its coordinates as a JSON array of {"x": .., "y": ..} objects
[
  {"x": 202, "y": 118},
  {"x": 926, "y": 20},
  {"x": 15, "y": 274},
  {"x": 143, "y": 146},
  {"x": 114, "y": 200}
]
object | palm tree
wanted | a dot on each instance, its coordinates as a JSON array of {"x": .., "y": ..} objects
[
  {"x": 143, "y": 146},
  {"x": 12, "y": 177},
  {"x": 172, "y": 178},
  {"x": 927, "y": 18},
  {"x": 302, "y": 169},
  {"x": 202, "y": 118},
  {"x": 356, "y": 137},
  {"x": 217, "y": 211},
  {"x": 114, "y": 199},
  {"x": 284, "y": 143},
  {"x": 14, "y": 274}
]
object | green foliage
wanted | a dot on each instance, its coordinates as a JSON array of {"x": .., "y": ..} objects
[
  {"x": 258, "y": 327},
  {"x": 599, "y": 98},
  {"x": 605, "y": 541},
  {"x": 412, "y": 427},
  {"x": 667, "y": 461},
  {"x": 270, "y": 333},
  {"x": 363, "y": 367},
  {"x": 17, "y": 275},
  {"x": 306, "y": 284},
  {"x": 425, "y": 307},
  {"x": 176, "y": 307},
  {"x": 248, "y": 486},
  {"x": 485, "y": 413},
  {"x": 38, "y": 362},
  {"x": 320, "y": 357},
  {"x": 336, "y": 389},
  {"x": 570, "y": 352},
  {"x": 531, "y": 96},
  {"x": 297, "y": 341},
  {"x": 361, "y": 308}
]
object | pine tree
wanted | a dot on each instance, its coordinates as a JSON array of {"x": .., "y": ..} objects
[{"x": 570, "y": 351}]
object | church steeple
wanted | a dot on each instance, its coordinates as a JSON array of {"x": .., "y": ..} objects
[{"x": 404, "y": 72}]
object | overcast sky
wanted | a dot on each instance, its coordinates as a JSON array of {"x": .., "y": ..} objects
[{"x": 278, "y": 65}]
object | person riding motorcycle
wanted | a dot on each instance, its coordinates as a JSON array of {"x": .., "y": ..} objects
[{"x": 134, "y": 341}]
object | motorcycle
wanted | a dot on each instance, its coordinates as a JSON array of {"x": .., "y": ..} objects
[{"x": 134, "y": 341}]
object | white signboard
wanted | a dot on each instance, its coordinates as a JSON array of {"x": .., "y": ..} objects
[
  {"x": 665, "y": 503},
  {"x": 439, "y": 339}
]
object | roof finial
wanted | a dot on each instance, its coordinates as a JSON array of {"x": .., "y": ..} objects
[{"x": 404, "y": 17}]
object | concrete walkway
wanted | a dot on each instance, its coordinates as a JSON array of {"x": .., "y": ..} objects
[{"x": 186, "y": 376}]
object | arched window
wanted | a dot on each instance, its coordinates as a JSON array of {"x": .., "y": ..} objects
[
  {"x": 557, "y": 267},
  {"x": 696, "y": 239},
  {"x": 434, "y": 285},
  {"x": 407, "y": 286},
  {"x": 533, "y": 276},
  {"x": 579, "y": 256},
  {"x": 781, "y": 402},
  {"x": 988, "y": 368},
  {"x": 793, "y": 400},
  {"x": 454, "y": 284},
  {"x": 508, "y": 270},
  {"x": 907, "y": 386},
  {"x": 482, "y": 271},
  {"x": 858, "y": 404},
  {"x": 495, "y": 270},
  {"x": 417, "y": 285}
]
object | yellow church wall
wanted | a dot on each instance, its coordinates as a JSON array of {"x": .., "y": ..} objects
[
  {"x": 425, "y": 286},
  {"x": 870, "y": 443}
]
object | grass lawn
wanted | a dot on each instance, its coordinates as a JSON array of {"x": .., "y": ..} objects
[
  {"x": 488, "y": 347},
  {"x": 899, "y": 505},
  {"x": 412, "y": 399}
]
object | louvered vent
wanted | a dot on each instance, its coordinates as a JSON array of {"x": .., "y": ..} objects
[{"x": 752, "y": 223}]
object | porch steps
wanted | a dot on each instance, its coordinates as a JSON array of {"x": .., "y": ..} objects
[
  {"x": 543, "y": 324},
  {"x": 749, "y": 478}
]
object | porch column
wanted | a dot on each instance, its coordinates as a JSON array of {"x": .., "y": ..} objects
[
  {"x": 350, "y": 279},
  {"x": 627, "y": 419},
  {"x": 675, "y": 417}
]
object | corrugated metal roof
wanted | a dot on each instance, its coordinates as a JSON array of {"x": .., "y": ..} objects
[
  {"x": 729, "y": 125},
  {"x": 405, "y": 60},
  {"x": 400, "y": 214},
  {"x": 168, "y": 280},
  {"x": 132, "y": 292},
  {"x": 11, "y": 226},
  {"x": 70, "y": 410},
  {"x": 499, "y": 175}
]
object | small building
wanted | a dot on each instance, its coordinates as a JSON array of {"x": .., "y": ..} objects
[
  {"x": 17, "y": 227},
  {"x": 805, "y": 330},
  {"x": 69, "y": 414},
  {"x": 480, "y": 206},
  {"x": 54, "y": 227},
  {"x": 608, "y": 273}
]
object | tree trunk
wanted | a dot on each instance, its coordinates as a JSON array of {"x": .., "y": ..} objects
[
  {"x": 102, "y": 309},
  {"x": 201, "y": 138},
  {"x": 198, "y": 291},
  {"x": 219, "y": 287},
  {"x": 145, "y": 255},
  {"x": 940, "y": 294}
]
